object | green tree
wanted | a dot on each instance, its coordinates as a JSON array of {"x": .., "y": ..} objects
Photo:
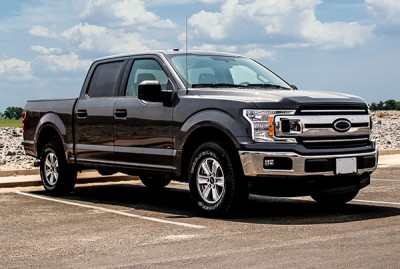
[
  {"x": 387, "y": 105},
  {"x": 13, "y": 113},
  {"x": 391, "y": 105}
]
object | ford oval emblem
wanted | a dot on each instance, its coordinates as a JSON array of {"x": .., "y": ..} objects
[{"x": 342, "y": 125}]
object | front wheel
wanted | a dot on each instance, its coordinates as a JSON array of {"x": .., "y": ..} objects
[
  {"x": 334, "y": 199},
  {"x": 57, "y": 176},
  {"x": 215, "y": 187}
]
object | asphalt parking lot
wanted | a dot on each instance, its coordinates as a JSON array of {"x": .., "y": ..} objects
[{"x": 124, "y": 225}]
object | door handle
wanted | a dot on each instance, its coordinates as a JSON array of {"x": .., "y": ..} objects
[
  {"x": 121, "y": 113},
  {"x": 81, "y": 114}
]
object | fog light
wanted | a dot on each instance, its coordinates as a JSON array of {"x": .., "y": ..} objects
[
  {"x": 278, "y": 163},
  {"x": 269, "y": 162}
]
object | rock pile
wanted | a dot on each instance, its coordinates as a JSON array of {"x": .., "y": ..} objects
[
  {"x": 12, "y": 155},
  {"x": 386, "y": 131}
]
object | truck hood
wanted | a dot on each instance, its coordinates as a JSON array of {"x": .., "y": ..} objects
[{"x": 279, "y": 98}]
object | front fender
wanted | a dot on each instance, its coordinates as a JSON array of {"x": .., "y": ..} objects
[{"x": 232, "y": 127}]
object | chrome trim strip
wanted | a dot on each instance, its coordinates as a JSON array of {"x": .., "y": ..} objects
[
  {"x": 324, "y": 132},
  {"x": 333, "y": 110},
  {"x": 336, "y": 140},
  {"x": 253, "y": 163}
]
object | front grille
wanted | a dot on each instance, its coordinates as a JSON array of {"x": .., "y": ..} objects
[
  {"x": 319, "y": 131},
  {"x": 334, "y": 142}
]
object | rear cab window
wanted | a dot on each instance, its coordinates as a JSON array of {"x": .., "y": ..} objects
[{"x": 104, "y": 79}]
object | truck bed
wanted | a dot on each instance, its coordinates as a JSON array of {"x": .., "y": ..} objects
[{"x": 58, "y": 112}]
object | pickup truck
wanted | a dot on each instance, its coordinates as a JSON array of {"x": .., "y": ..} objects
[{"x": 224, "y": 123}]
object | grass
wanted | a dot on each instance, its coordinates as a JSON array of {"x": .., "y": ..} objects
[{"x": 9, "y": 123}]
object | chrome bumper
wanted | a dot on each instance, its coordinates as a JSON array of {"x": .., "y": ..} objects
[{"x": 253, "y": 163}]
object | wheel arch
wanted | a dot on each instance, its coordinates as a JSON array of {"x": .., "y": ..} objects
[
  {"x": 50, "y": 128},
  {"x": 202, "y": 133}
]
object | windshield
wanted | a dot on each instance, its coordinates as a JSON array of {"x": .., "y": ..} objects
[{"x": 224, "y": 71}]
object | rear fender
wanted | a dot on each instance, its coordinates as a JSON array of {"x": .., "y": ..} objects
[{"x": 53, "y": 121}]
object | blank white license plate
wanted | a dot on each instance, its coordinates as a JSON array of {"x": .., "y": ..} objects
[{"x": 346, "y": 166}]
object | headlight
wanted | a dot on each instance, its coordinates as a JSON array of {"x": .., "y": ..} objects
[{"x": 263, "y": 124}]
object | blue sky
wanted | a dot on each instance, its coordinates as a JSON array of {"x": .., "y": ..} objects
[{"x": 349, "y": 46}]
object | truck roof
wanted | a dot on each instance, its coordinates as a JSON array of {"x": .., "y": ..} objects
[{"x": 169, "y": 52}]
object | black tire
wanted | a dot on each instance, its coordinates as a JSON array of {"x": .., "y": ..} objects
[
  {"x": 215, "y": 186},
  {"x": 156, "y": 182},
  {"x": 57, "y": 176},
  {"x": 334, "y": 199}
]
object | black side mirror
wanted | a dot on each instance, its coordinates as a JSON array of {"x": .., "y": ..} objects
[
  {"x": 294, "y": 87},
  {"x": 150, "y": 90}
]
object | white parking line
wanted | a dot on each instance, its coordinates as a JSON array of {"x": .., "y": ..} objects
[
  {"x": 112, "y": 211},
  {"x": 384, "y": 179},
  {"x": 375, "y": 202}
]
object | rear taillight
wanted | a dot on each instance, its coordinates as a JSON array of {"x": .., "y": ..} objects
[{"x": 23, "y": 120}]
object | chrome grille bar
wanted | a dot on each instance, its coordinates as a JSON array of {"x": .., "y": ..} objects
[{"x": 336, "y": 140}]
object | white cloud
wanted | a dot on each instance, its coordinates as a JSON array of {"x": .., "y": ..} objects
[
  {"x": 60, "y": 63},
  {"x": 41, "y": 31},
  {"x": 294, "y": 45},
  {"x": 84, "y": 34},
  {"x": 210, "y": 1},
  {"x": 283, "y": 19},
  {"x": 101, "y": 39},
  {"x": 43, "y": 50},
  {"x": 259, "y": 53},
  {"x": 15, "y": 69},
  {"x": 214, "y": 47},
  {"x": 123, "y": 13},
  {"x": 388, "y": 11},
  {"x": 209, "y": 23}
]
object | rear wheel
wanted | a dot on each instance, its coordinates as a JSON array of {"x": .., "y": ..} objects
[
  {"x": 56, "y": 175},
  {"x": 335, "y": 199},
  {"x": 156, "y": 182},
  {"x": 215, "y": 187}
]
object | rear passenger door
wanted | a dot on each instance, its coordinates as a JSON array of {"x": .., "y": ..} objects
[
  {"x": 94, "y": 114},
  {"x": 143, "y": 130}
]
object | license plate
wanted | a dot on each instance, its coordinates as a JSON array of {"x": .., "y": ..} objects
[{"x": 346, "y": 166}]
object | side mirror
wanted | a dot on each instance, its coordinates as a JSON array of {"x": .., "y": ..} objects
[
  {"x": 294, "y": 87},
  {"x": 150, "y": 90}
]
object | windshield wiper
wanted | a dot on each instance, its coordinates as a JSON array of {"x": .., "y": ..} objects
[
  {"x": 267, "y": 85},
  {"x": 217, "y": 85}
]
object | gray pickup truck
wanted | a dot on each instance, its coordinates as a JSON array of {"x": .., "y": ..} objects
[{"x": 224, "y": 123}]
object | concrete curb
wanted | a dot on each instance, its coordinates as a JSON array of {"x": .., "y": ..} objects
[
  {"x": 12, "y": 173},
  {"x": 389, "y": 151},
  {"x": 83, "y": 178},
  {"x": 36, "y": 170},
  {"x": 30, "y": 177}
]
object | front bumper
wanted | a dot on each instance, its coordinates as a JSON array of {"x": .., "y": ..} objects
[{"x": 254, "y": 163}]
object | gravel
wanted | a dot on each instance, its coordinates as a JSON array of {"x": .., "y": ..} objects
[
  {"x": 386, "y": 126},
  {"x": 386, "y": 129},
  {"x": 12, "y": 155}
]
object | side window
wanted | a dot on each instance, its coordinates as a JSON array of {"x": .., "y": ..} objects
[
  {"x": 104, "y": 79},
  {"x": 146, "y": 69}
]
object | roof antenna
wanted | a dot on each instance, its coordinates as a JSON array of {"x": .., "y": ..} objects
[{"x": 186, "y": 55}]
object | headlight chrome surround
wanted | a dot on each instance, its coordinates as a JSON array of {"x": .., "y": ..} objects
[{"x": 263, "y": 124}]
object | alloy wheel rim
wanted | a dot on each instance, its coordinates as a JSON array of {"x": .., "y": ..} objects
[
  {"x": 210, "y": 180},
  {"x": 51, "y": 169}
]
